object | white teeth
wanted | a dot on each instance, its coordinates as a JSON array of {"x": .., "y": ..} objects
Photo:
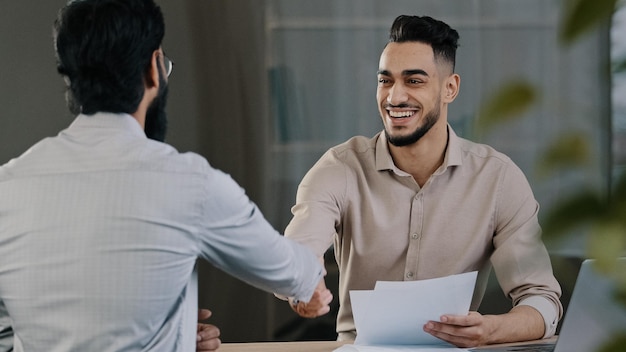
[{"x": 400, "y": 113}]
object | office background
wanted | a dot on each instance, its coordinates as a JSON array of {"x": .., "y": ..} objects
[{"x": 262, "y": 88}]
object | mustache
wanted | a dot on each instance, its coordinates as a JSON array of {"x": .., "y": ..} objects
[{"x": 399, "y": 106}]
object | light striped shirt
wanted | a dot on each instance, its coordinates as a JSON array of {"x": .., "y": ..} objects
[{"x": 100, "y": 229}]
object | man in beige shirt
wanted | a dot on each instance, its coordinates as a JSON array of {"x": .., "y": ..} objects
[{"x": 417, "y": 202}]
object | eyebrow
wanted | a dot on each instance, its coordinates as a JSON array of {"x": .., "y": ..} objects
[{"x": 405, "y": 72}]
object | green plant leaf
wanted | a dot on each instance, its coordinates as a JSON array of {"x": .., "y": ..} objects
[
  {"x": 616, "y": 344},
  {"x": 582, "y": 16},
  {"x": 512, "y": 99},
  {"x": 607, "y": 242},
  {"x": 570, "y": 150},
  {"x": 585, "y": 207}
]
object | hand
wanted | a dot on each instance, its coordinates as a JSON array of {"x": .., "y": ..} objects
[
  {"x": 318, "y": 305},
  {"x": 208, "y": 335},
  {"x": 521, "y": 323},
  {"x": 461, "y": 330}
]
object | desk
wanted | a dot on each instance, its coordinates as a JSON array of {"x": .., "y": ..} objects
[
  {"x": 324, "y": 346},
  {"x": 299, "y": 346}
]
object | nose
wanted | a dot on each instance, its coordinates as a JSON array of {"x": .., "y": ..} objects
[{"x": 397, "y": 94}]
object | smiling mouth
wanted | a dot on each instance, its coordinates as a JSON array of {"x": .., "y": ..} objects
[{"x": 400, "y": 114}]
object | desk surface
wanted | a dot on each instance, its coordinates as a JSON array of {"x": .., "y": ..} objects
[
  {"x": 308, "y": 346},
  {"x": 322, "y": 346}
]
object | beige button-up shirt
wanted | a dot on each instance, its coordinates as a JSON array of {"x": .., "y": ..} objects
[{"x": 475, "y": 211}]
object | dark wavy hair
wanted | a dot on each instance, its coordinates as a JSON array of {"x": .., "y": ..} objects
[
  {"x": 104, "y": 49},
  {"x": 442, "y": 38}
]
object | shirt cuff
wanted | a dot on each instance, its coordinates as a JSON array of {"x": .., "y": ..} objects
[
  {"x": 292, "y": 300},
  {"x": 546, "y": 308},
  {"x": 281, "y": 297}
]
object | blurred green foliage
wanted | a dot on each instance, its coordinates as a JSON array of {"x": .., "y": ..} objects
[
  {"x": 604, "y": 215},
  {"x": 580, "y": 16},
  {"x": 618, "y": 344},
  {"x": 601, "y": 215},
  {"x": 569, "y": 151},
  {"x": 511, "y": 100}
]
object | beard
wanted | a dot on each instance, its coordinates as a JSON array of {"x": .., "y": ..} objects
[
  {"x": 156, "y": 117},
  {"x": 430, "y": 119}
]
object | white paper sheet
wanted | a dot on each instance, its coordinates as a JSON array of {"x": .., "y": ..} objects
[
  {"x": 361, "y": 348},
  {"x": 394, "y": 313}
]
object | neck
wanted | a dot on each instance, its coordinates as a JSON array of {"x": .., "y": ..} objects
[
  {"x": 424, "y": 157},
  {"x": 140, "y": 115}
]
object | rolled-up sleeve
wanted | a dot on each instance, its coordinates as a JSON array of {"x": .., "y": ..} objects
[{"x": 520, "y": 259}]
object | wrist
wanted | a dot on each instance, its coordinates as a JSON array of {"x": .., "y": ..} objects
[{"x": 293, "y": 302}]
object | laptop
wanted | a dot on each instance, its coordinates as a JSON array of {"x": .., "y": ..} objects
[{"x": 593, "y": 317}]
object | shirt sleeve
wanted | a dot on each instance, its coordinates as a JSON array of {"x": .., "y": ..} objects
[
  {"x": 547, "y": 310},
  {"x": 520, "y": 259},
  {"x": 6, "y": 331},
  {"x": 237, "y": 238},
  {"x": 317, "y": 213}
]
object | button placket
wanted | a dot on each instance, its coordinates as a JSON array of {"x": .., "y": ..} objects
[{"x": 414, "y": 236}]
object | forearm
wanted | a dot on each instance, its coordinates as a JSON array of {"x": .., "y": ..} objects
[{"x": 522, "y": 323}]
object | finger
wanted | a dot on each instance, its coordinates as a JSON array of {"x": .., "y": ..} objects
[
  {"x": 311, "y": 312},
  {"x": 319, "y": 301},
  {"x": 322, "y": 311},
  {"x": 304, "y": 312},
  {"x": 327, "y": 297},
  {"x": 308, "y": 311},
  {"x": 208, "y": 345},
  {"x": 453, "y": 339},
  {"x": 318, "y": 304},
  {"x": 204, "y": 314},
  {"x": 460, "y": 335},
  {"x": 471, "y": 319},
  {"x": 450, "y": 335},
  {"x": 323, "y": 296},
  {"x": 445, "y": 328},
  {"x": 208, "y": 331}
]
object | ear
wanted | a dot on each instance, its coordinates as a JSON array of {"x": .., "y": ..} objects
[
  {"x": 152, "y": 76},
  {"x": 151, "y": 88},
  {"x": 451, "y": 88}
]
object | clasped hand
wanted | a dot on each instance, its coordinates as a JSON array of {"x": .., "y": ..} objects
[{"x": 318, "y": 305}]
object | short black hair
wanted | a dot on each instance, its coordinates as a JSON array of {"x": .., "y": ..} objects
[
  {"x": 104, "y": 49},
  {"x": 440, "y": 36}
]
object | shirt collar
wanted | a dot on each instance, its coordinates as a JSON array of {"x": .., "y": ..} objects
[
  {"x": 383, "y": 156},
  {"x": 452, "y": 157},
  {"x": 109, "y": 121},
  {"x": 454, "y": 154}
]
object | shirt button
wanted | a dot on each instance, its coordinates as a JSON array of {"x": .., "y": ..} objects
[
  {"x": 409, "y": 275},
  {"x": 415, "y": 236}
]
